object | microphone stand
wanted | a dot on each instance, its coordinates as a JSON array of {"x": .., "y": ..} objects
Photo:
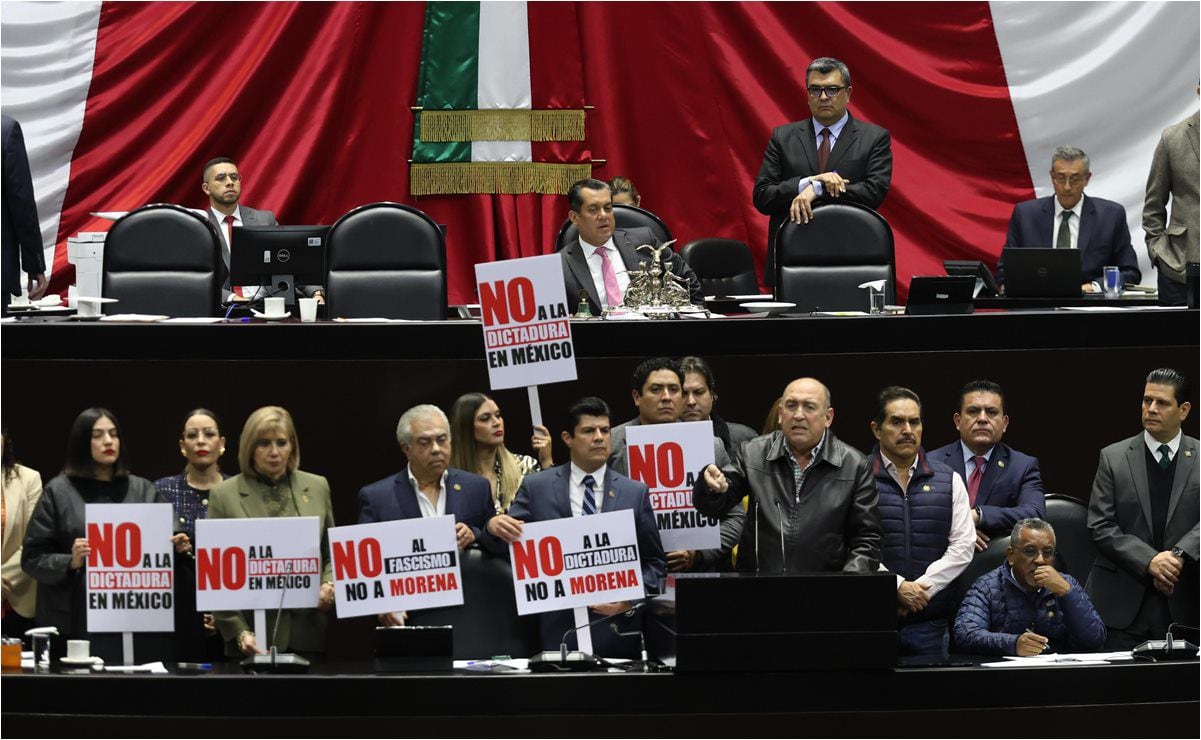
[
  {"x": 563, "y": 660},
  {"x": 274, "y": 661}
]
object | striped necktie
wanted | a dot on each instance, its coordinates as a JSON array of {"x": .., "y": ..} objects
[{"x": 589, "y": 495}]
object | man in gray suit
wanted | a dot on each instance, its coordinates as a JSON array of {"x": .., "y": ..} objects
[
  {"x": 1143, "y": 519},
  {"x": 1174, "y": 172},
  {"x": 223, "y": 185}
]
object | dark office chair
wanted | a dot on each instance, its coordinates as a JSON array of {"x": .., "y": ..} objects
[
  {"x": 725, "y": 266},
  {"x": 487, "y": 622},
  {"x": 162, "y": 259},
  {"x": 624, "y": 217},
  {"x": 1074, "y": 549},
  {"x": 386, "y": 260},
  {"x": 819, "y": 265}
]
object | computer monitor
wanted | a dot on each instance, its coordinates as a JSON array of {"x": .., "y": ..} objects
[
  {"x": 985, "y": 285},
  {"x": 277, "y": 258}
]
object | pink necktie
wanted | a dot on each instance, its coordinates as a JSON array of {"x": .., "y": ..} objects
[
  {"x": 973, "y": 480},
  {"x": 612, "y": 292}
]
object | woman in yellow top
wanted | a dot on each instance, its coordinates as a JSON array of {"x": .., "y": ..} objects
[{"x": 272, "y": 485}]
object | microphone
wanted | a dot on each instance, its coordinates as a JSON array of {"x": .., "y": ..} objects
[
  {"x": 274, "y": 661},
  {"x": 644, "y": 660},
  {"x": 1167, "y": 650},
  {"x": 756, "y": 535},
  {"x": 575, "y": 660},
  {"x": 783, "y": 552}
]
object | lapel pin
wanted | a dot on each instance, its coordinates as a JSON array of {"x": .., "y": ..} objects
[
  {"x": 304, "y": 498},
  {"x": 1000, "y": 463},
  {"x": 926, "y": 488},
  {"x": 1188, "y": 453},
  {"x": 612, "y": 494},
  {"x": 458, "y": 487},
  {"x": 204, "y": 502}
]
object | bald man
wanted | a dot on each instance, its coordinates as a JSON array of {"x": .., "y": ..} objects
[{"x": 805, "y": 481}]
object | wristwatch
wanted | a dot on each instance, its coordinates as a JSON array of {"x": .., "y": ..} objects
[{"x": 1180, "y": 553}]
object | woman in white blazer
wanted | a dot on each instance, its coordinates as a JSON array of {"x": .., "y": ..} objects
[{"x": 22, "y": 489}]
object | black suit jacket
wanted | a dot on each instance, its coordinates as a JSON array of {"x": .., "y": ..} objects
[
  {"x": 1104, "y": 237},
  {"x": 862, "y": 154},
  {"x": 22, "y": 231},
  {"x": 577, "y": 276},
  {"x": 250, "y": 217},
  {"x": 468, "y": 499}
]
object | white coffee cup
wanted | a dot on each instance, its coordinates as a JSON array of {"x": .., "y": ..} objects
[
  {"x": 78, "y": 650},
  {"x": 273, "y": 306},
  {"x": 308, "y": 309},
  {"x": 19, "y": 300}
]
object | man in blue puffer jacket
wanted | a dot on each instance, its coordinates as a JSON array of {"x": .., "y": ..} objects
[{"x": 1026, "y": 606}]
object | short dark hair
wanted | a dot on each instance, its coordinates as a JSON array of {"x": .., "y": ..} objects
[
  {"x": 586, "y": 406},
  {"x": 575, "y": 200},
  {"x": 216, "y": 161},
  {"x": 646, "y": 367},
  {"x": 890, "y": 394},
  {"x": 79, "y": 445},
  {"x": 694, "y": 364},
  {"x": 826, "y": 65},
  {"x": 980, "y": 386},
  {"x": 1168, "y": 376}
]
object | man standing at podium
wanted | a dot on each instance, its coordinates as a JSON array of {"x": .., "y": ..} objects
[
  {"x": 812, "y": 500},
  {"x": 832, "y": 155},
  {"x": 928, "y": 532}
]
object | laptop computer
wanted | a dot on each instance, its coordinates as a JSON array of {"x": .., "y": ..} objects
[
  {"x": 935, "y": 295},
  {"x": 1042, "y": 273}
]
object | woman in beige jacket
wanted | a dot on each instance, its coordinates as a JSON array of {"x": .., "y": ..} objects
[{"x": 22, "y": 489}]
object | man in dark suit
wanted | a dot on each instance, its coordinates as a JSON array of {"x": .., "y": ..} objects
[
  {"x": 1004, "y": 486},
  {"x": 598, "y": 261},
  {"x": 568, "y": 490},
  {"x": 1143, "y": 518},
  {"x": 829, "y": 156},
  {"x": 21, "y": 228},
  {"x": 428, "y": 487},
  {"x": 1069, "y": 220}
]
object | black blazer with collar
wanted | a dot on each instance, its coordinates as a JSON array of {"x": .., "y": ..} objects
[
  {"x": 468, "y": 498},
  {"x": 577, "y": 276},
  {"x": 862, "y": 154},
  {"x": 21, "y": 229}
]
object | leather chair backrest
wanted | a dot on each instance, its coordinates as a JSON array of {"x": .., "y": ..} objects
[
  {"x": 386, "y": 260},
  {"x": 624, "y": 217},
  {"x": 1074, "y": 549},
  {"x": 819, "y": 265},
  {"x": 162, "y": 259},
  {"x": 725, "y": 266},
  {"x": 487, "y": 622}
]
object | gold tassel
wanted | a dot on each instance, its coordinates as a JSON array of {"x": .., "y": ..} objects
[
  {"x": 460, "y": 178},
  {"x": 502, "y": 125}
]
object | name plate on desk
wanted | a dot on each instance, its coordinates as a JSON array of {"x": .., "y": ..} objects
[{"x": 747, "y": 622}]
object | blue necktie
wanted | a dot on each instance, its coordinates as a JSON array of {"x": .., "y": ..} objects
[{"x": 589, "y": 495}]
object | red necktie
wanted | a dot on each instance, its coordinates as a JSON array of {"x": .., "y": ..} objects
[
  {"x": 823, "y": 151},
  {"x": 229, "y": 240},
  {"x": 973, "y": 481}
]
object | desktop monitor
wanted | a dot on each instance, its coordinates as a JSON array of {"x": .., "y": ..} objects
[
  {"x": 985, "y": 286},
  {"x": 278, "y": 258}
]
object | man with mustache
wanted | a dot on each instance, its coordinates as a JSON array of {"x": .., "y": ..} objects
[
  {"x": 1025, "y": 606},
  {"x": 928, "y": 532},
  {"x": 812, "y": 499}
]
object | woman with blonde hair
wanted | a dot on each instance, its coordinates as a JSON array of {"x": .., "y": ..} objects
[
  {"x": 478, "y": 430},
  {"x": 271, "y": 484}
]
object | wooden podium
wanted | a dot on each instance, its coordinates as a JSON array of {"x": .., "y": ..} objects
[{"x": 747, "y": 622}]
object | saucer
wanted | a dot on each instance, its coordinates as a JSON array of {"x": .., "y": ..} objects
[
  {"x": 89, "y": 661},
  {"x": 271, "y": 317},
  {"x": 772, "y": 308}
]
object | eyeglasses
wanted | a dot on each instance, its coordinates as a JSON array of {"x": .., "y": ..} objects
[
  {"x": 1031, "y": 553},
  {"x": 232, "y": 177},
  {"x": 815, "y": 91},
  {"x": 1064, "y": 180}
]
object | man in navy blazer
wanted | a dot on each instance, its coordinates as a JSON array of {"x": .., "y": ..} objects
[
  {"x": 830, "y": 155},
  {"x": 428, "y": 486},
  {"x": 1004, "y": 485},
  {"x": 1095, "y": 226},
  {"x": 558, "y": 493}
]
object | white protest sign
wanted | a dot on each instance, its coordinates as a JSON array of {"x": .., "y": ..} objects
[
  {"x": 577, "y": 561},
  {"x": 254, "y": 563},
  {"x": 131, "y": 570},
  {"x": 394, "y": 566},
  {"x": 667, "y": 457},
  {"x": 527, "y": 331}
]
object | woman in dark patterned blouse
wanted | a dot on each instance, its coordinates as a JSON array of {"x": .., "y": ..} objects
[{"x": 478, "y": 432}]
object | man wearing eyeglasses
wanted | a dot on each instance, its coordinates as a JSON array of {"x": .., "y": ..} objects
[
  {"x": 1027, "y": 607},
  {"x": 223, "y": 185},
  {"x": 1070, "y": 220},
  {"x": 832, "y": 155}
]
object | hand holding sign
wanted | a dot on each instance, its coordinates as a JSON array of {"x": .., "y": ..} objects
[
  {"x": 79, "y": 552},
  {"x": 505, "y": 527},
  {"x": 715, "y": 479}
]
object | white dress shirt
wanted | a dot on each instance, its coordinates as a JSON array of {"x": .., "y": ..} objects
[
  {"x": 227, "y": 239},
  {"x": 577, "y": 489},
  {"x": 835, "y": 132},
  {"x": 1073, "y": 222},
  {"x": 429, "y": 508},
  {"x": 595, "y": 266},
  {"x": 1153, "y": 445},
  {"x": 961, "y": 540}
]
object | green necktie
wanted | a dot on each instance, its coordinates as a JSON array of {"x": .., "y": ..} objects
[
  {"x": 1166, "y": 456},
  {"x": 1065, "y": 232}
]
